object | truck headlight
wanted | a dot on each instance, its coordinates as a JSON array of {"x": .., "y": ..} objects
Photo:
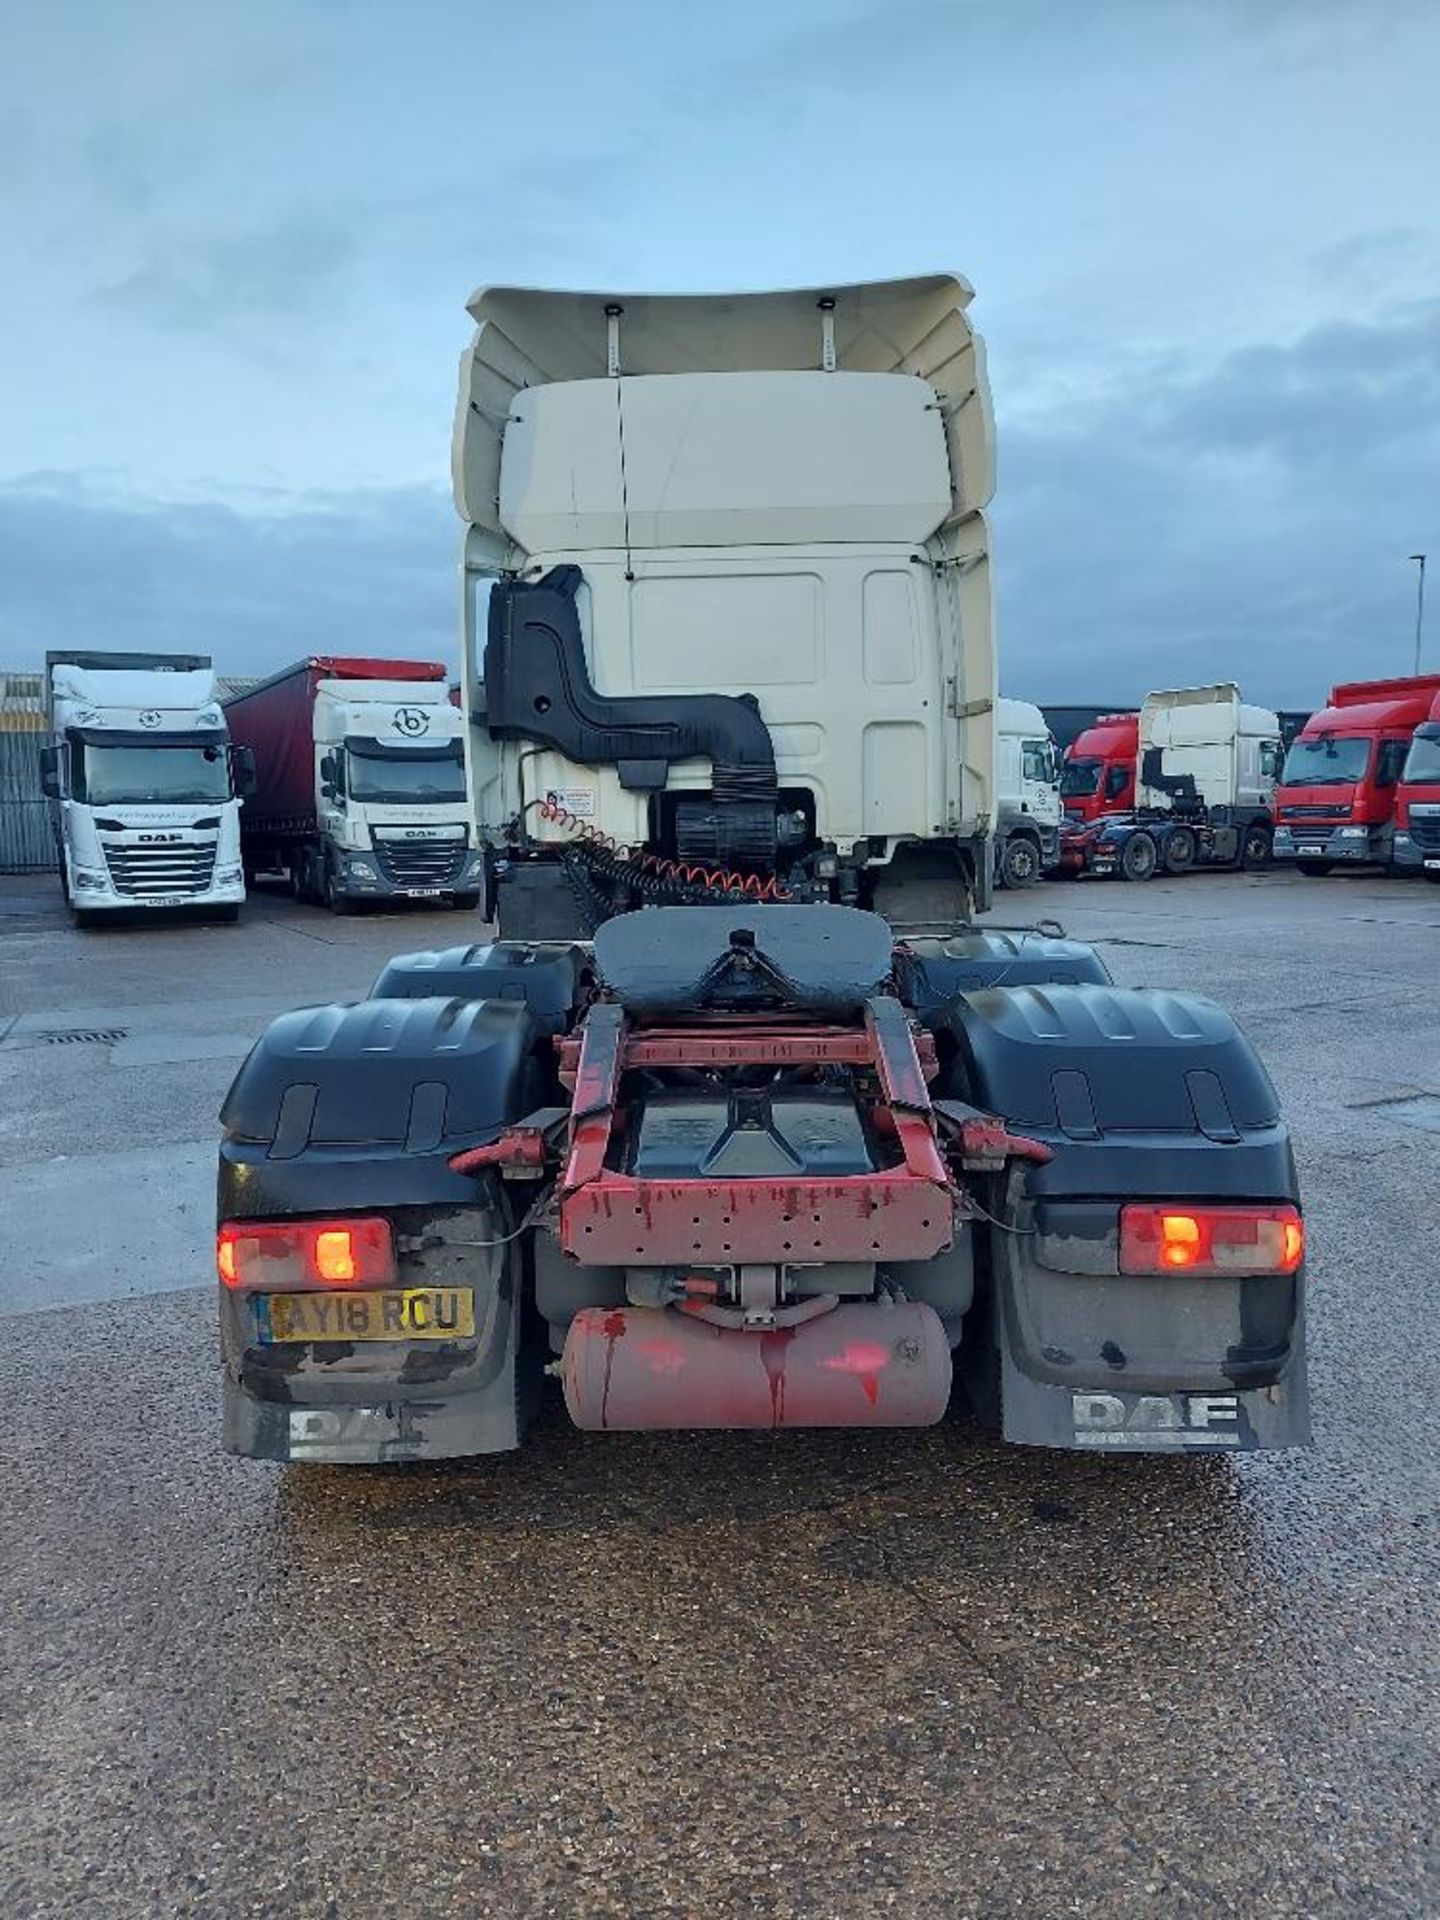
[
  {"x": 362, "y": 870},
  {"x": 1353, "y": 833},
  {"x": 229, "y": 876},
  {"x": 89, "y": 881}
]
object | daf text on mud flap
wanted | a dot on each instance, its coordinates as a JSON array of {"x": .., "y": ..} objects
[{"x": 1164, "y": 1419}]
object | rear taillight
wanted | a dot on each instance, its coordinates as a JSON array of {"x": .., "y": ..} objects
[
  {"x": 1181, "y": 1238},
  {"x": 269, "y": 1256}
]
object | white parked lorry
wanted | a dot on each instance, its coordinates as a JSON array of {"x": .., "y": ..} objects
[
  {"x": 739, "y": 641},
  {"x": 1027, "y": 783},
  {"x": 1207, "y": 763},
  {"x": 360, "y": 791},
  {"x": 145, "y": 791},
  {"x": 1209, "y": 736}
]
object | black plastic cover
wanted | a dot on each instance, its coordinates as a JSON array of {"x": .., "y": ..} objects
[
  {"x": 550, "y": 978},
  {"x": 748, "y": 1134},
  {"x": 675, "y": 959},
  {"x": 537, "y": 687},
  {"x": 413, "y": 1075},
  {"x": 931, "y": 970},
  {"x": 1141, "y": 1092}
]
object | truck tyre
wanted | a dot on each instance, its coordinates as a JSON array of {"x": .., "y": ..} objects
[
  {"x": 1255, "y": 847},
  {"x": 81, "y": 918},
  {"x": 226, "y": 915},
  {"x": 1432, "y": 876},
  {"x": 1313, "y": 869},
  {"x": 1138, "y": 858},
  {"x": 335, "y": 900},
  {"x": 464, "y": 902},
  {"x": 1020, "y": 862},
  {"x": 1180, "y": 850}
]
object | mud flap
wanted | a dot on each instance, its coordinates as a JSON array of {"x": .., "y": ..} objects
[
  {"x": 369, "y": 1402},
  {"x": 1111, "y": 1419},
  {"x": 480, "y": 1420}
]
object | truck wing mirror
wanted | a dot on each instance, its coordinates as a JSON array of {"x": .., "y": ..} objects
[
  {"x": 50, "y": 772},
  {"x": 328, "y": 771},
  {"x": 242, "y": 771}
]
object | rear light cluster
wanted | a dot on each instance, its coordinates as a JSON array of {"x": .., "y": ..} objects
[
  {"x": 269, "y": 1256},
  {"x": 1180, "y": 1238}
]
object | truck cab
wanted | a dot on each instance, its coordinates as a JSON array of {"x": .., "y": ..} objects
[
  {"x": 144, "y": 788},
  {"x": 361, "y": 792},
  {"x": 1335, "y": 804},
  {"x": 1416, "y": 847},
  {"x": 390, "y": 784},
  {"x": 1027, "y": 787},
  {"x": 1098, "y": 775},
  {"x": 739, "y": 636}
]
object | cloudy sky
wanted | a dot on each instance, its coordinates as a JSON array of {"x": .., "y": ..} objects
[{"x": 1205, "y": 234}]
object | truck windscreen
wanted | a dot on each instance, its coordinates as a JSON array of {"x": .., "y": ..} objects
[
  {"x": 1328, "y": 762},
  {"x": 405, "y": 775},
  {"x": 1037, "y": 761},
  {"x": 1422, "y": 763},
  {"x": 114, "y": 776},
  {"x": 1079, "y": 778}
]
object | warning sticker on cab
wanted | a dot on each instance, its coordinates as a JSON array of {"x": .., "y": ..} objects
[{"x": 579, "y": 801}]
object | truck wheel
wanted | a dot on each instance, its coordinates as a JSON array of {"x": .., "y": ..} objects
[
  {"x": 82, "y": 918},
  {"x": 464, "y": 902},
  {"x": 1020, "y": 863},
  {"x": 1255, "y": 849},
  {"x": 1313, "y": 869},
  {"x": 1180, "y": 850},
  {"x": 1432, "y": 876},
  {"x": 335, "y": 900},
  {"x": 1138, "y": 858},
  {"x": 226, "y": 915}
]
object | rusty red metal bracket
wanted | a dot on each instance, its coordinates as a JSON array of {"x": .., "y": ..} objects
[{"x": 896, "y": 1213}]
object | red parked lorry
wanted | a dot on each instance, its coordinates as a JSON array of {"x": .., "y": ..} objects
[
  {"x": 1098, "y": 774},
  {"x": 1416, "y": 846},
  {"x": 1335, "y": 803}
]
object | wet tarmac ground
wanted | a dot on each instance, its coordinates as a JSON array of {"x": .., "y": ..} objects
[{"x": 807, "y": 1675}]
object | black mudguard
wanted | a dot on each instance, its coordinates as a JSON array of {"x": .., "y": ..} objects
[
  {"x": 358, "y": 1109},
  {"x": 553, "y": 978},
  {"x": 930, "y": 970},
  {"x": 1140, "y": 1094}
]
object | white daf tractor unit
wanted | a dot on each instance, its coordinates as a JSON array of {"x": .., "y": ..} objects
[
  {"x": 145, "y": 790},
  {"x": 738, "y": 641},
  {"x": 1027, "y": 783},
  {"x": 1210, "y": 746}
]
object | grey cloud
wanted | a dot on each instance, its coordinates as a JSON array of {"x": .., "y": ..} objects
[
  {"x": 369, "y": 572},
  {"x": 1248, "y": 523},
  {"x": 226, "y": 282}
]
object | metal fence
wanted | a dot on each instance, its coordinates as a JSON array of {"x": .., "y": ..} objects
[{"x": 27, "y": 844}]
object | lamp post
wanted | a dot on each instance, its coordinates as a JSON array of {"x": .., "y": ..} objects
[{"x": 1419, "y": 559}]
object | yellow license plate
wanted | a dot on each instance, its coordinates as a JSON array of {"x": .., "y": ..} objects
[{"x": 389, "y": 1313}]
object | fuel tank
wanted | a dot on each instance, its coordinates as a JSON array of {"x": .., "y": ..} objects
[{"x": 866, "y": 1364}]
